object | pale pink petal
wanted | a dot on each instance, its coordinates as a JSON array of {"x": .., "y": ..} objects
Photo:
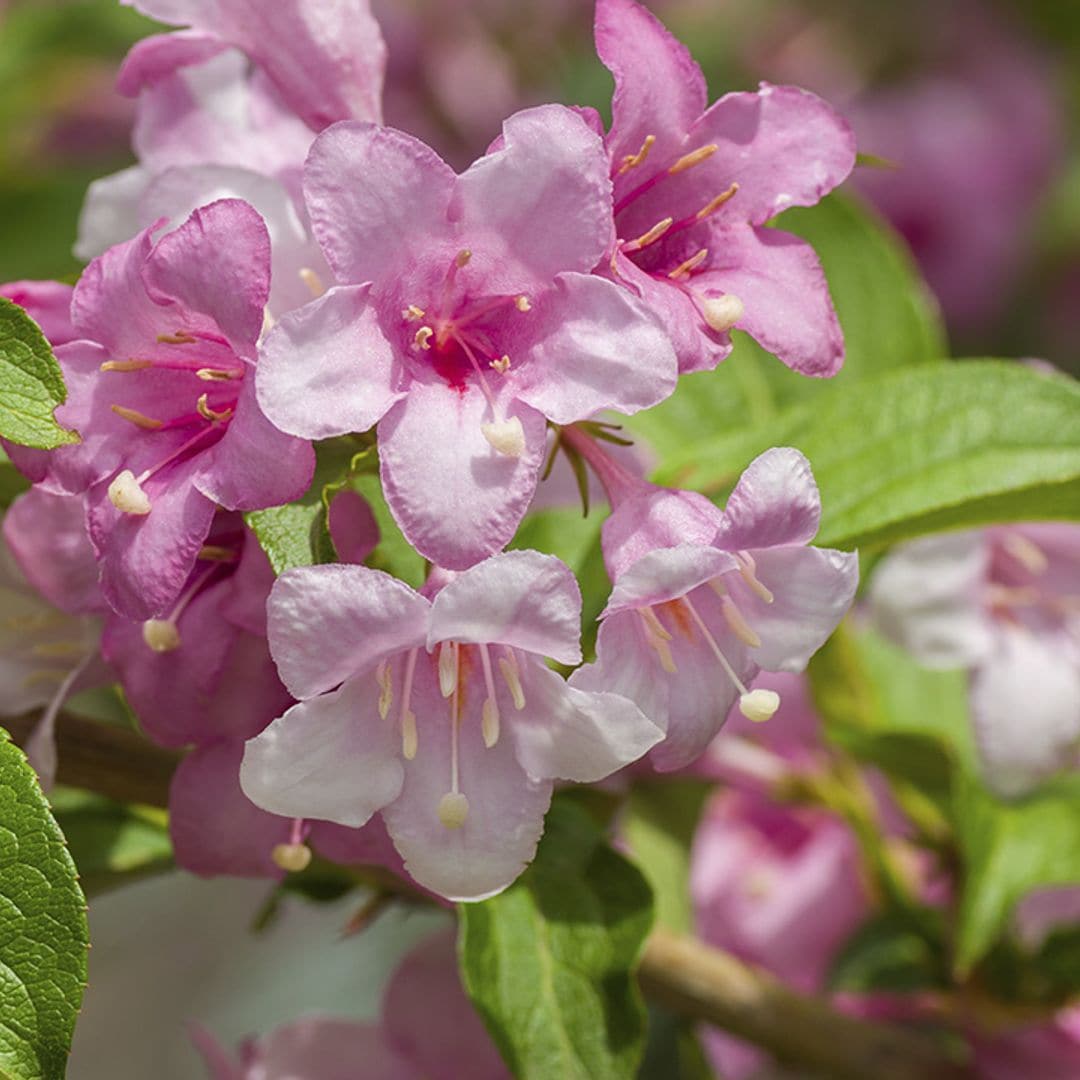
[
  {"x": 667, "y": 574},
  {"x": 331, "y": 758},
  {"x": 564, "y": 733},
  {"x": 455, "y": 497},
  {"x": 520, "y": 598},
  {"x": 48, "y": 303},
  {"x": 775, "y": 502},
  {"x": 158, "y": 56},
  {"x": 330, "y": 1049},
  {"x": 219, "y": 1062},
  {"x": 328, "y": 623},
  {"x": 111, "y": 212},
  {"x": 378, "y": 198},
  {"x": 591, "y": 345},
  {"x": 540, "y": 204},
  {"x": 326, "y": 369},
  {"x": 353, "y": 527}
]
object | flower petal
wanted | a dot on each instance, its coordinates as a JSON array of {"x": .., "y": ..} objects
[
  {"x": 455, "y": 497},
  {"x": 775, "y": 502},
  {"x": 377, "y": 198},
  {"x": 667, "y": 574},
  {"x": 328, "y": 623},
  {"x": 48, "y": 303},
  {"x": 591, "y": 345},
  {"x": 540, "y": 204},
  {"x": 326, "y": 369},
  {"x": 519, "y": 598},
  {"x": 564, "y": 733},
  {"x": 331, "y": 758},
  {"x": 110, "y": 211}
]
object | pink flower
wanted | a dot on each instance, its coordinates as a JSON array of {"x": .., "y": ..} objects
[
  {"x": 1001, "y": 602},
  {"x": 694, "y": 186},
  {"x": 1050, "y": 1051},
  {"x": 471, "y": 318},
  {"x": 427, "y": 1031},
  {"x": 439, "y": 713},
  {"x": 161, "y": 388},
  {"x": 703, "y": 599},
  {"x": 326, "y": 59},
  {"x": 48, "y": 303}
]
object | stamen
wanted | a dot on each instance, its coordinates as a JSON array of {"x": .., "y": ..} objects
[
  {"x": 502, "y": 365},
  {"x": 748, "y": 572},
  {"x": 654, "y": 623},
  {"x": 181, "y": 337},
  {"x": 453, "y": 806},
  {"x": 713, "y": 205},
  {"x": 133, "y": 416},
  {"x": 508, "y": 668},
  {"x": 126, "y": 365},
  {"x": 505, "y": 436},
  {"x": 658, "y": 637},
  {"x": 127, "y": 495},
  {"x": 463, "y": 258},
  {"x": 412, "y": 313},
  {"x": 650, "y": 237},
  {"x": 759, "y": 705},
  {"x": 722, "y": 312},
  {"x": 695, "y": 157},
  {"x": 522, "y": 303},
  {"x": 739, "y": 626},
  {"x": 384, "y": 677},
  {"x": 729, "y": 670},
  {"x": 209, "y": 374},
  {"x": 632, "y": 161},
  {"x": 489, "y": 715},
  {"x": 210, "y": 414},
  {"x": 448, "y": 668},
  {"x": 269, "y": 322},
  {"x": 690, "y": 265},
  {"x": 161, "y": 635},
  {"x": 312, "y": 281},
  {"x": 215, "y": 553},
  {"x": 292, "y": 858},
  {"x": 409, "y": 740},
  {"x": 1024, "y": 551},
  {"x": 423, "y": 337},
  {"x": 453, "y": 809}
]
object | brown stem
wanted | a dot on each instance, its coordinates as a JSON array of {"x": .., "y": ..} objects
[{"x": 687, "y": 976}]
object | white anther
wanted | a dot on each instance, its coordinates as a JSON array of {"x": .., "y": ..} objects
[
  {"x": 453, "y": 809},
  {"x": 386, "y": 689},
  {"x": 723, "y": 312},
  {"x": 508, "y": 670},
  {"x": 502, "y": 365},
  {"x": 448, "y": 668},
  {"x": 409, "y": 740},
  {"x": 423, "y": 337},
  {"x": 312, "y": 281},
  {"x": 506, "y": 436},
  {"x": 759, "y": 705},
  {"x": 489, "y": 722},
  {"x": 412, "y": 313},
  {"x": 292, "y": 857},
  {"x": 739, "y": 626},
  {"x": 127, "y": 495},
  {"x": 522, "y": 303},
  {"x": 161, "y": 635}
]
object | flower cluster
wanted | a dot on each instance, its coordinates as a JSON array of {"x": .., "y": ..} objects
[{"x": 280, "y": 269}]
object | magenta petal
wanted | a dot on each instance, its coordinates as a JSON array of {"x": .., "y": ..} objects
[
  {"x": 506, "y": 808},
  {"x": 330, "y": 759},
  {"x": 327, "y": 623},
  {"x": 775, "y": 502},
  {"x": 519, "y": 598},
  {"x": 326, "y": 369},
  {"x": 218, "y": 264},
  {"x": 591, "y": 345},
  {"x": 378, "y": 198},
  {"x": 48, "y": 303},
  {"x": 783, "y": 146},
  {"x": 215, "y": 828},
  {"x": 659, "y": 88},
  {"x": 254, "y": 465},
  {"x": 785, "y": 295},
  {"x": 540, "y": 204},
  {"x": 455, "y": 497}
]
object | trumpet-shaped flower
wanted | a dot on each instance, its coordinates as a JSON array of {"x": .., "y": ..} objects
[
  {"x": 703, "y": 599},
  {"x": 468, "y": 318},
  {"x": 695, "y": 185},
  {"x": 161, "y": 389},
  {"x": 440, "y": 713},
  {"x": 326, "y": 59}
]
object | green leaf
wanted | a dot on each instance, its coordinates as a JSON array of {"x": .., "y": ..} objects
[
  {"x": 889, "y": 954},
  {"x": 661, "y": 819},
  {"x": 549, "y": 962},
  {"x": 945, "y": 446},
  {"x": 1009, "y": 849},
  {"x": 297, "y": 533},
  {"x": 112, "y": 844},
  {"x": 887, "y": 313},
  {"x": 12, "y": 482},
  {"x": 31, "y": 385},
  {"x": 43, "y": 932}
]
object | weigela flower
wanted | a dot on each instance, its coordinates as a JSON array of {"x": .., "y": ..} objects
[
  {"x": 471, "y": 319},
  {"x": 694, "y": 186},
  {"x": 440, "y": 713},
  {"x": 703, "y": 599},
  {"x": 1003, "y": 602},
  {"x": 48, "y": 303},
  {"x": 160, "y": 388},
  {"x": 325, "y": 59}
]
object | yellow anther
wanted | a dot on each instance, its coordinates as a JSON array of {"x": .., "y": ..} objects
[
  {"x": 133, "y": 416},
  {"x": 489, "y": 722},
  {"x": 453, "y": 809},
  {"x": 213, "y": 553},
  {"x": 522, "y": 303},
  {"x": 386, "y": 689},
  {"x": 181, "y": 337},
  {"x": 695, "y": 157},
  {"x": 213, "y": 374},
  {"x": 653, "y": 622},
  {"x": 748, "y": 571},
  {"x": 312, "y": 281},
  {"x": 463, "y": 258},
  {"x": 632, "y": 161},
  {"x": 292, "y": 858},
  {"x": 1024, "y": 551},
  {"x": 448, "y": 668},
  {"x": 508, "y": 670},
  {"x": 502, "y": 365},
  {"x": 423, "y": 338},
  {"x": 715, "y": 204},
  {"x": 161, "y": 635},
  {"x": 412, "y": 313},
  {"x": 211, "y": 414},
  {"x": 739, "y": 626},
  {"x": 409, "y": 740},
  {"x": 127, "y": 365},
  {"x": 650, "y": 237},
  {"x": 690, "y": 265}
]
